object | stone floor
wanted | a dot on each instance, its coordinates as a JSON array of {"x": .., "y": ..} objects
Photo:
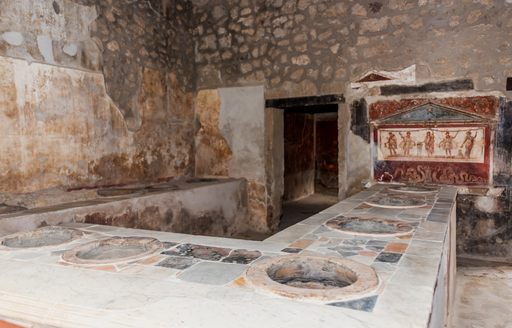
[
  {"x": 298, "y": 210},
  {"x": 483, "y": 297}
]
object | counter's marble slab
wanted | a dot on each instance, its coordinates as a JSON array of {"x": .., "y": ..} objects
[{"x": 199, "y": 281}]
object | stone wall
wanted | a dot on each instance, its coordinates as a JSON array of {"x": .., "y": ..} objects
[
  {"x": 134, "y": 35},
  {"x": 298, "y": 47},
  {"x": 230, "y": 141},
  {"x": 292, "y": 47},
  {"x": 310, "y": 47},
  {"x": 94, "y": 93}
]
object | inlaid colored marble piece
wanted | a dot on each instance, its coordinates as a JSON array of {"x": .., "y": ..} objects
[
  {"x": 355, "y": 242},
  {"x": 388, "y": 257},
  {"x": 178, "y": 262},
  {"x": 199, "y": 251},
  {"x": 301, "y": 243},
  {"x": 369, "y": 226},
  {"x": 347, "y": 253},
  {"x": 375, "y": 242},
  {"x": 364, "y": 304},
  {"x": 347, "y": 250},
  {"x": 367, "y": 253},
  {"x": 396, "y": 202},
  {"x": 396, "y": 248},
  {"x": 376, "y": 245},
  {"x": 213, "y": 273},
  {"x": 292, "y": 250},
  {"x": 242, "y": 256},
  {"x": 169, "y": 244},
  {"x": 152, "y": 260},
  {"x": 374, "y": 248}
]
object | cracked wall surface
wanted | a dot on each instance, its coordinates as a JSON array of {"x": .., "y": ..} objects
[{"x": 94, "y": 93}]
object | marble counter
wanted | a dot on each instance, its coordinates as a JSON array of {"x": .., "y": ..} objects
[
  {"x": 199, "y": 281},
  {"x": 216, "y": 207}
]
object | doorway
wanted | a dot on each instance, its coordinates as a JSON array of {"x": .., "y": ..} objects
[{"x": 310, "y": 161}]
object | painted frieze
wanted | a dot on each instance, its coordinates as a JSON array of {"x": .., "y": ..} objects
[{"x": 430, "y": 142}]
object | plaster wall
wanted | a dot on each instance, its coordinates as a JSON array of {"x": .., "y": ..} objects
[
  {"x": 61, "y": 129},
  {"x": 274, "y": 129},
  {"x": 230, "y": 141},
  {"x": 242, "y": 123},
  {"x": 60, "y": 93}
]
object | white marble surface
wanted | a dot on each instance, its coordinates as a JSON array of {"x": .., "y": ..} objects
[{"x": 34, "y": 287}]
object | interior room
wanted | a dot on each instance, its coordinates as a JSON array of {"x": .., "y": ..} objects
[
  {"x": 278, "y": 163},
  {"x": 310, "y": 161}
]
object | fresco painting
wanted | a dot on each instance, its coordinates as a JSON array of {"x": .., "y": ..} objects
[{"x": 444, "y": 144}]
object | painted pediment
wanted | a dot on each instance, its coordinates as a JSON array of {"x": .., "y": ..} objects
[
  {"x": 430, "y": 113},
  {"x": 376, "y": 78},
  {"x": 373, "y": 77}
]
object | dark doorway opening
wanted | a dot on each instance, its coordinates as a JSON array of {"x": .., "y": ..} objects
[{"x": 310, "y": 161}]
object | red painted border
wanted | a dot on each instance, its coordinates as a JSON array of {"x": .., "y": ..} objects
[{"x": 483, "y": 106}]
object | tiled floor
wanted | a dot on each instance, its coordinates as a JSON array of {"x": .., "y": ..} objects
[{"x": 483, "y": 298}]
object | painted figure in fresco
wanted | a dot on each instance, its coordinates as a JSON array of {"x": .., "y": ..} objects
[
  {"x": 448, "y": 143},
  {"x": 407, "y": 143},
  {"x": 391, "y": 144},
  {"x": 430, "y": 143},
  {"x": 468, "y": 143}
]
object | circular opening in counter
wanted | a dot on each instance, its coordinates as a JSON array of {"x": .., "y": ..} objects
[
  {"x": 370, "y": 226},
  {"x": 315, "y": 274},
  {"x": 414, "y": 189},
  {"x": 318, "y": 278},
  {"x": 46, "y": 236},
  {"x": 113, "y": 250},
  {"x": 396, "y": 202}
]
